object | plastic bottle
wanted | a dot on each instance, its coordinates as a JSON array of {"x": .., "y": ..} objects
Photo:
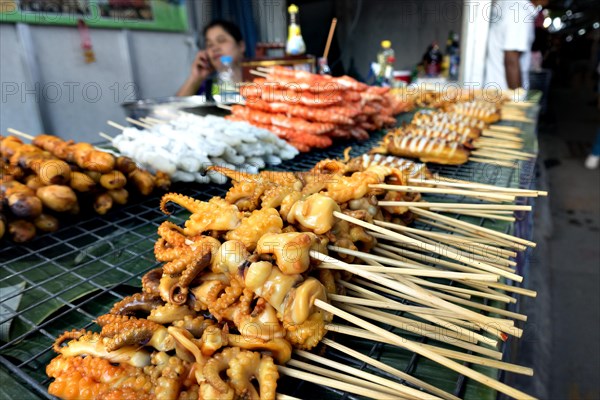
[
  {"x": 385, "y": 59},
  {"x": 225, "y": 83},
  {"x": 433, "y": 61},
  {"x": 295, "y": 44},
  {"x": 454, "y": 53}
]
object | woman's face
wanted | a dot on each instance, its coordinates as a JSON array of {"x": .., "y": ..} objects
[{"x": 220, "y": 43}]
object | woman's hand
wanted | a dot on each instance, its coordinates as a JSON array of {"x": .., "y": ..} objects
[{"x": 201, "y": 67}]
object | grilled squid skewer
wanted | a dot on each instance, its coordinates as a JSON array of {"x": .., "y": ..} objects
[{"x": 424, "y": 148}]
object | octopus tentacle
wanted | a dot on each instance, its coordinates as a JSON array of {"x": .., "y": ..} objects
[
  {"x": 194, "y": 325},
  {"x": 92, "y": 377},
  {"x": 151, "y": 281},
  {"x": 138, "y": 302},
  {"x": 126, "y": 331},
  {"x": 249, "y": 365},
  {"x": 92, "y": 344},
  {"x": 68, "y": 335},
  {"x": 219, "y": 363},
  {"x": 165, "y": 252},
  {"x": 172, "y": 233},
  {"x": 186, "y": 202}
]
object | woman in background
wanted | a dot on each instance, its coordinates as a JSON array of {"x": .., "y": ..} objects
[{"x": 222, "y": 38}]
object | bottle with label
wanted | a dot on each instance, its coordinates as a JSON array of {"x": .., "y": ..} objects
[
  {"x": 454, "y": 58},
  {"x": 225, "y": 86},
  {"x": 385, "y": 59},
  {"x": 295, "y": 44},
  {"x": 432, "y": 61}
]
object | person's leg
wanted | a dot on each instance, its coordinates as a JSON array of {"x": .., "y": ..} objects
[{"x": 593, "y": 159}]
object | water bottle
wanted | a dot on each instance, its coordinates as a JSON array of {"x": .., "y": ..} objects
[
  {"x": 385, "y": 59},
  {"x": 454, "y": 58},
  {"x": 225, "y": 84}
]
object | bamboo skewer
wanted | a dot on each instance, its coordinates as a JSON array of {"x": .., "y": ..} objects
[
  {"x": 419, "y": 328},
  {"x": 425, "y": 352},
  {"x": 105, "y": 136},
  {"x": 491, "y": 276},
  {"x": 485, "y": 153},
  {"x": 138, "y": 123},
  {"x": 471, "y": 227},
  {"x": 367, "y": 384},
  {"x": 504, "y": 136},
  {"x": 424, "y": 189},
  {"x": 115, "y": 125},
  {"x": 456, "y": 355},
  {"x": 281, "y": 396},
  {"x": 411, "y": 290},
  {"x": 473, "y": 304},
  {"x": 472, "y": 213},
  {"x": 509, "y": 288},
  {"x": 258, "y": 73},
  {"x": 461, "y": 206},
  {"x": 390, "y": 370},
  {"x": 448, "y": 238},
  {"x": 504, "y": 128},
  {"x": 447, "y": 253},
  {"x": 305, "y": 376},
  {"x": 19, "y": 133},
  {"x": 380, "y": 381},
  {"x": 464, "y": 231},
  {"x": 443, "y": 181}
]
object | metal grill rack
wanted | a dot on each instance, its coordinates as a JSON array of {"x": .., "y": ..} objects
[{"x": 88, "y": 265}]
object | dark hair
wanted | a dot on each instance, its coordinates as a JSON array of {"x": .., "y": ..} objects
[{"x": 228, "y": 27}]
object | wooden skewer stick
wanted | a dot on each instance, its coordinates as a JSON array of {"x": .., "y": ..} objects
[
  {"x": 425, "y": 189},
  {"x": 386, "y": 249},
  {"x": 115, "y": 125},
  {"x": 490, "y": 142},
  {"x": 476, "y": 254},
  {"x": 504, "y": 128},
  {"x": 257, "y": 73},
  {"x": 470, "y": 227},
  {"x": 435, "y": 249},
  {"x": 305, "y": 376},
  {"x": 471, "y": 213},
  {"x": 281, "y": 396},
  {"x": 383, "y": 383},
  {"x": 509, "y": 288},
  {"x": 465, "y": 231},
  {"x": 417, "y": 327},
  {"x": 423, "y": 351},
  {"x": 490, "y": 153},
  {"x": 105, "y": 136},
  {"x": 503, "y": 136},
  {"x": 456, "y": 355},
  {"x": 339, "y": 376},
  {"x": 473, "y": 304},
  {"x": 329, "y": 38},
  {"x": 515, "y": 152},
  {"x": 500, "y": 297},
  {"x": 496, "y": 251},
  {"x": 19, "y": 133},
  {"x": 491, "y": 277},
  {"x": 390, "y": 370},
  {"x": 423, "y": 204},
  {"x": 493, "y": 161},
  {"x": 441, "y": 180},
  {"x": 410, "y": 290},
  {"x": 516, "y": 118},
  {"x": 138, "y": 123}
]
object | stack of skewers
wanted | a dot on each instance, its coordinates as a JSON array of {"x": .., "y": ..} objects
[
  {"x": 310, "y": 110},
  {"x": 463, "y": 131},
  {"x": 50, "y": 178},
  {"x": 254, "y": 280}
]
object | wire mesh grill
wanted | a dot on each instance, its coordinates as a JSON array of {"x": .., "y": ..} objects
[{"x": 89, "y": 264}]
